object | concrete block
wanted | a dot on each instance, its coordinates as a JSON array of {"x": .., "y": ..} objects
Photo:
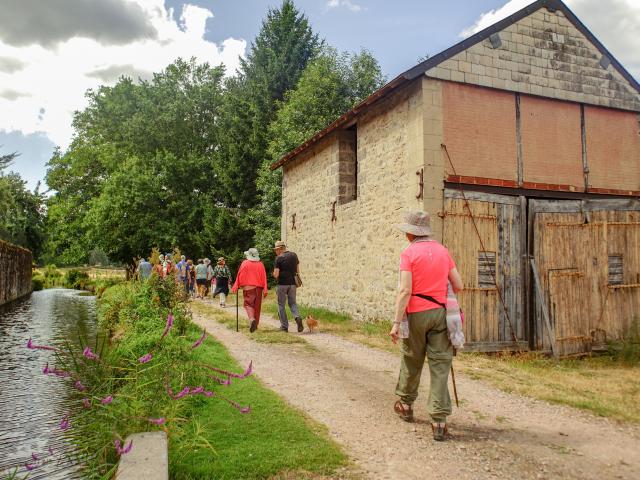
[
  {"x": 457, "y": 76},
  {"x": 148, "y": 457},
  {"x": 464, "y": 66}
]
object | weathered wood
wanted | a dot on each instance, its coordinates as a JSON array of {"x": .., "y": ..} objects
[
  {"x": 545, "y": 312},
  {"x": 496, "y": 347},
  {"x": 15, "y": 272},
  {"x": 451, "y": 193}
]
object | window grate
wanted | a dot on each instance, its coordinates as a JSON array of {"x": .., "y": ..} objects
[
  {"x": 486, "y": 269},
  {"x": 616, "y": 270}
]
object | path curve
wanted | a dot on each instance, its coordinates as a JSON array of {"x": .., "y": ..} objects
[{"x": 349, "y": 388}]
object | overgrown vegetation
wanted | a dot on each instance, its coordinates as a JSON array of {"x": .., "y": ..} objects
[{"x": 149, "y": 372}]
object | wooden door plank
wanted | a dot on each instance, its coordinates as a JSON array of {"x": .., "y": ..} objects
[{"x": 545, "y": 312}]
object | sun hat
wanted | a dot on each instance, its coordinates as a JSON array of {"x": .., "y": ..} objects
[
  {"x": 280, "y": 244},
  {"x": 252, "y": 255},
  {"x": 417, "y": 223}
]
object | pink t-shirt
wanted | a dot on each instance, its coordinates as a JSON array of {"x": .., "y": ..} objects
[{"x": 429, "y": 264}]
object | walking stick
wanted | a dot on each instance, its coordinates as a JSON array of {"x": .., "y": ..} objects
[
  {"x": 237, "y": 309},
  {"x": 455, "y": 390},
  {"x": 453, "y": 379}
]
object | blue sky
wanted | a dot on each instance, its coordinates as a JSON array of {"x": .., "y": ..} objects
[{"x": 48, "y": 58}]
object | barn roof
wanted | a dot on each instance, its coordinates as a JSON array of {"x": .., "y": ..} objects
[{"x": 432, "y": 62}]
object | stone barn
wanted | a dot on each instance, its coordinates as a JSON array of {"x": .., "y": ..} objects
[{"x": 523, "y": 142}]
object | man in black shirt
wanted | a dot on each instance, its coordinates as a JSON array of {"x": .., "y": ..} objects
[{"x": 286, "y": 267}]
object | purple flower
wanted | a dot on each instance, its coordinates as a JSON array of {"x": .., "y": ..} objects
[
  {"x": 34, "y": 456},
  {"x": 120, "y": 450},
  {"x": 196, "y": 390},
  {"x": 236, "y": 405},
  {"x": 168, "y": 325},
  {"x": 244, "y": 374},
  {"x": 181, "y": 394},
  {"x": 30, "y": 466},
  {"x": 80, "y": 386},
  {"x": 107, "y": 400},
  {"x": 156, "y": 421},
  {"x": 145, "y": 358},
  {"x": 208, "y": 393},
  {"x": 89, "y": 354},
  {"x": 200, "y": 340},
  {"x": 86, "y": 403},
  {"x": 31, "y": 346},
  {"x": 222, "y": 381},
  {"x": 51, "y": 451},
  {"x": 53, "y": 371},
  {"x": 65, "y": 424}
]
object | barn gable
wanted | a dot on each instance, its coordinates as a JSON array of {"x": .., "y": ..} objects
[{"x": 547, "y": 51}]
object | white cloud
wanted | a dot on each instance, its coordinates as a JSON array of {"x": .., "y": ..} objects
[
  {"x": 53, "y": 79},
  {"x": 616, "y": 23},
  {"x": 344, "y": 3}
]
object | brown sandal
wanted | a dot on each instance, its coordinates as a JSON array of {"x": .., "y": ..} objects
[
  {"x": 405, "y": 412},
  {"x": 439, "y": 431}
]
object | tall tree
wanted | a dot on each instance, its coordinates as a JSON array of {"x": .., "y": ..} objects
[
  {"x": 330, "y": 85},
  {"x": 273, "y": 65}
]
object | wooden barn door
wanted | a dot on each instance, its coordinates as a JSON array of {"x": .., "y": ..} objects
[
  {"x": 500, "y": 224},
  {"x": 587, "y": 254}
]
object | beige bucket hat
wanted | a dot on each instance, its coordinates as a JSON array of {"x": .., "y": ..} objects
[
  {"x": 280, "y": 244},
  {"x": 417, "y": 223}
]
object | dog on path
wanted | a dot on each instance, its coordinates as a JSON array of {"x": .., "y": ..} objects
[{"x": 312, "y": 323}]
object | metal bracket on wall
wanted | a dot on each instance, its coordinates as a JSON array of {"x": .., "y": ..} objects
[
  {"x": 333, "y": 211},
  {"x": 293, "y": 221},
  {"x": 420, "y": 174}
]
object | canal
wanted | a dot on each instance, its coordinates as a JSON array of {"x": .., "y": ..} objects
[{"x": 32, "y": 404}]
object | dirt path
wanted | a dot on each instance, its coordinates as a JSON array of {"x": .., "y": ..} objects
[{"x": 349, "y": 388}]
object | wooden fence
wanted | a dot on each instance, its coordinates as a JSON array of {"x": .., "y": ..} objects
[{"x": 15, "y": 272}]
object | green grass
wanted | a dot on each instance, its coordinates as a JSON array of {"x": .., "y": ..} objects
[
  {"x": 603, "y": 385},
  {"x": 272, "y": 439}
]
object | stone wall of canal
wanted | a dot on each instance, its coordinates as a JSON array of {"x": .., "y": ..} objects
[{"x": 15, "y": 272}]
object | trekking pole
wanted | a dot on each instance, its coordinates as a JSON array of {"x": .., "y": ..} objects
[
  {"x": 237, "y": 291},
  {"x": 453, "y": 379}
]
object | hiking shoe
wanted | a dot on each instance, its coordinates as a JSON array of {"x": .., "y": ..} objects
[
  {"x": 299, "y": 323},
  {"x": 405, "y": 412},
  {"x": 254, "y": 326},
  {"x": 282, "y": 329},
  {"x": 439, "y": 431}
]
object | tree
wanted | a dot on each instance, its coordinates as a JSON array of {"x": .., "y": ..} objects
[
  {"x": 274, "y": 63},
  {"x": 22, "y": 220},
  {"x": 140, "y": 169},
  {"x": 329, "y": 86}
]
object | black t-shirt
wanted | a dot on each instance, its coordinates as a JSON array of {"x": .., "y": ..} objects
[{"x": 288, "y": 265}]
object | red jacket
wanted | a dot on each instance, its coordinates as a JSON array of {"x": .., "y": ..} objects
[{"x": 250, "y": 274}]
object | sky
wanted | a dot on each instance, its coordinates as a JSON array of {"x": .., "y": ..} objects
[{"x": 52, "y": 52}]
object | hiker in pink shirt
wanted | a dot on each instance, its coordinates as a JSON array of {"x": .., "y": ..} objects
[
  {"x": 252, "y": 277},
  {"x": 425, "y": 270}
]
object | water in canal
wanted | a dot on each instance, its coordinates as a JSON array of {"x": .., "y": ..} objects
[{"x": 32, "y": 404}]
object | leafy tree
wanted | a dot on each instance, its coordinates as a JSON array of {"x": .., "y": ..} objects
[
  {"x": 21, "y": 222},
  {"x": 274, "y": 63},
  {"x": 330, "y": 85}
]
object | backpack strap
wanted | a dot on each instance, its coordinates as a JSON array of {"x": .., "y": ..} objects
[{"x": 429, "y": 298}]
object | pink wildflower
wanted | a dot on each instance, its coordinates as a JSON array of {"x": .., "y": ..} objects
[
  {"x": 120, "y": 450},
  {"x": 196, "y": 390},
  {"x": 107, "y": 400},
  {"x": 86, "y": 403},
  {"x": 200, "y": 340},
  {"x": 167, "y": 326},
  {"x": 80, "y": 386},
  {"x": 244, "y": 374},
  {"x": 31, "y": 346},
  {"x": 30, "y": 466},
  {"x": 65, "y": 424},
  {"x": 180, "y": 394},
  {"x": 89, "y": 354},
  {"x": 34, "y": 456},
  {"x": 145, "y": 358},
  {"x": 156, "y": 421}
]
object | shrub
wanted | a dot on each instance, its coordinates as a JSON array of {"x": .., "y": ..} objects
[
  {"x": 77, "y": 279},
  {"x": 37, "y": 283}
]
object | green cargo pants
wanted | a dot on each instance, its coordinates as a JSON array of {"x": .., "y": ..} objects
[{"x": 427, "y": 335}]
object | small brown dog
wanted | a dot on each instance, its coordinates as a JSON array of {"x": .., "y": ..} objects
[{"x": 312, "y": 323}]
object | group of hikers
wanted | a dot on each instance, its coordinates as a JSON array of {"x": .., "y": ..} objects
[
  {"x": 426, "y": 272},
  {"x": 200, "y": 279}
]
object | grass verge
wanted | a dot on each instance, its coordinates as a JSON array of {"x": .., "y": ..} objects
[{"x": 601, "y": 385}]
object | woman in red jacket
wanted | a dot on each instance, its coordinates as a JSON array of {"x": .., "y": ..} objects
[{"x": 252, "y": 277}]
